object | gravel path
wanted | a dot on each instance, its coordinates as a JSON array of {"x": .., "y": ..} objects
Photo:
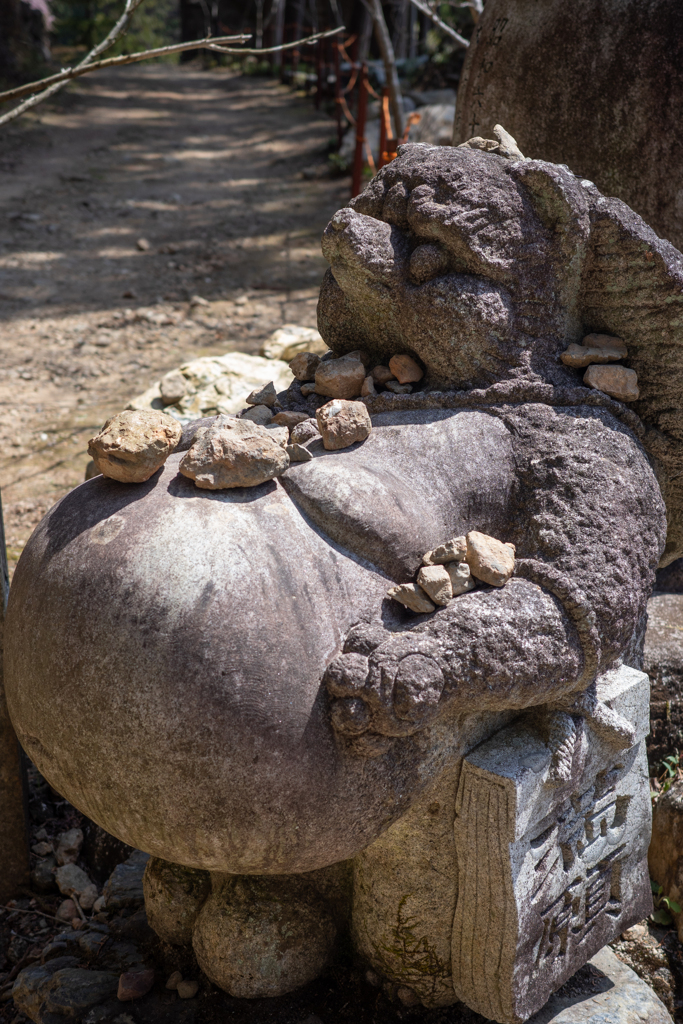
[{"x": 140, "y": 189}]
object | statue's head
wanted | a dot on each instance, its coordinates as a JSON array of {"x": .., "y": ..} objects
[{"x": 486, "y": 268}]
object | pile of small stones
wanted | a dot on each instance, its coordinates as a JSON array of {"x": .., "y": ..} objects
[
  {"x": 263, "y": 440},
  {"x": 452, "y": 568},
  {"x": 595, "y": 352}
]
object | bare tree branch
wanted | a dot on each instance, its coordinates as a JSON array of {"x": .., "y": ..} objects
[
  {"x": 426, "y": 9},
  {"x": 387, "y": 50},
  {"x": 110, "y": 62},
  {"x": 120, "y": 27},
  {"x": 49, "y": 86},
  {"x": 276, "y": 49}
]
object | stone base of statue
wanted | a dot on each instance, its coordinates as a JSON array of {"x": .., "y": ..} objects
[{"x": 502, "y": 881}]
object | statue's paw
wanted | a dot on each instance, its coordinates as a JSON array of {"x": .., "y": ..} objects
[{"x": 390, "y": 693}]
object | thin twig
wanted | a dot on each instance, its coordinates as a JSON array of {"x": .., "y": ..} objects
[
  {"x": 284, "y": 46},
  {"x": 110, "y": 62},
  {"x": 426, "y": 9},
  {"x": 37, "y": 913},
  {"x": 108, "y": 41}
]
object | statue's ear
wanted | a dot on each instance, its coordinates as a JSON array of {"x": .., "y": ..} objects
[
  {"x": 557, "y": 197},
  {"x": 632, "y": 287}
]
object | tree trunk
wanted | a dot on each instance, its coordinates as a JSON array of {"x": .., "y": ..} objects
[{"x": 387, "y": 52}]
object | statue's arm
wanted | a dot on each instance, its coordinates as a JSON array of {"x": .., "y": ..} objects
[{"x": 589, "y": 525}]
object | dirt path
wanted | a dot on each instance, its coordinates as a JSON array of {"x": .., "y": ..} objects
[{"x": 143, "y": 188}]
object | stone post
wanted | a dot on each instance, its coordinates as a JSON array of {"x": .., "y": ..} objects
[{"x": 13, "y": 789}]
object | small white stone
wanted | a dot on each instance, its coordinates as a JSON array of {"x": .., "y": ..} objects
[{"x": 489, "y": 559}]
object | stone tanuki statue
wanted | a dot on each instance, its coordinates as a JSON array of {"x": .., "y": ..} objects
[{"x": 451, "y": 773}]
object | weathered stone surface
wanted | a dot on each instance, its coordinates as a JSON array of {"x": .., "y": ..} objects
[
  {"x": 663, "y": 662},
  {"x": 217, "y": 385},
  {"x": 436, "y": 583},
  {"x": 134, "y": 985},
  {"x": 69, "y": 846},
  {"x": 173, "y": 387},
  {"x": 261, "y": 414},
  {"x": 266, "y": 395},
  {"x": 58, "y": 990},
  {"x": 343, "y": 423},
  {"x": 519, "y": 57},
  {"x": 124, "y": 887},
  {"x": 368, "y": 388},
  {"x": 605, "y": 341},
  {"x": 88, "y": 897},
  {"x": 297, "y": 453},
  {"x": 381, "y": 375},
  {"x": 290, "y": 419},
  {"x": 489, "y": 559},
  {"x": 617, "y": 381},
  {"x": 461, "y": 577},
  {"x": 340, "y": 378},
  {"x": 233, "y": 453},
  {"x": 609, "y": 992},
  {"x": 173, "y": 979},
  {"x": 582, "y": 355},
  {"x": 187, "y": 989},
  {"x": 66, "y": 911},
  {"x": 287, "y": 341},
  {"x": 279, "y": 433},
  {"x": 398, "y": 389},
  {"x": 564, "y": 867},
  {"x": 173, "y": 898},
  {"x": 304, "y": 431},
  {"x": 132, "y": 446},
  {"x": 70, "y": 878},
  {"x": 583, "y": 276},
  {"x": 665, "y": 856},
  {"x": 259, "y": 937},
  {"x": 304, "y": 365},
  {"x": 412, "y": 596},
  {"x": 405, "y": 369},
  {"x": 453, "y": 550}
]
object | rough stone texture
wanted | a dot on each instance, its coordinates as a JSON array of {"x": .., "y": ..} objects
[
  {"x": 665, "y": 856},
  {"x": 582, "y": 355},
  {"x": 340, "y": 378},
  {"x": 304, "y": 431},
  {"x": 564, "y": 869},
  {"x": 411, "y": 596},
  {"x": 343, "y": 423},
  {"x": 218, "y": 385},
  {"x": 519, "y": 71},
  {"x": 663, "y": 662},
  {"x": 452, "y": 551},
  {"x": 616, "y": 381},
  {"x": 71, "y": 879},
  {"x": 405, "y": 369},
  {"x": 173, "y": 898},
  {"x": 69, "y": 846},
  {"x": 172, "y": 387},
  {"x": 57, "y": 990},
  {"x": 124, "y": 887},
  {"x": 233, "y": 453},
  {"x": 606, "y": 341},
  {"x": 491, "y": 560},
  {"x": 621, "y": 997},
  {"x": 461, "y": 577},
  {"x": 382, "y": 375},
  {"x": 287, "y": 341},
  {"x": 259, "y": 937},
  {"x": 134, "y": 985},
  {"x": 436, "y": 583},
  {"x": 304, "y": 365},
  {"x": 298, "y": 453},
  {"x": 261, "y": 414},
  {"x": 368, "y": 389},
  {"x": 290, "y": 419},
  {"x": 536, "y": 260},
  {"x": 132, "y": 446},
  {"x": 266, "y": 395}
]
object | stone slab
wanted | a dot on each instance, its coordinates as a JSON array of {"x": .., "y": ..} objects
[
  {"x": 621, "y": 997},
  {"x": 663, "y": 662},
  {"x": 548, "y": 874}
]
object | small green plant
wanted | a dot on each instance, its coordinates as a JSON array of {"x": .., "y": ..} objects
[
  {"x": 672, "y": 771},
  {"x": 665, "y": 908}
]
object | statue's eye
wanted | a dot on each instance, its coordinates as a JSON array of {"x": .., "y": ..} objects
[{"x": 427, "y": 261}]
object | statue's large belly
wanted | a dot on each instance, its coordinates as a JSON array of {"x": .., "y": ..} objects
[
  {"x": 165, "y": 646},
  {"x": 164, "y": 654}
]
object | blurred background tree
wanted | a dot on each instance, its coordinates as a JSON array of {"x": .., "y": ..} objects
[{"x": 83, "y": 23}]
